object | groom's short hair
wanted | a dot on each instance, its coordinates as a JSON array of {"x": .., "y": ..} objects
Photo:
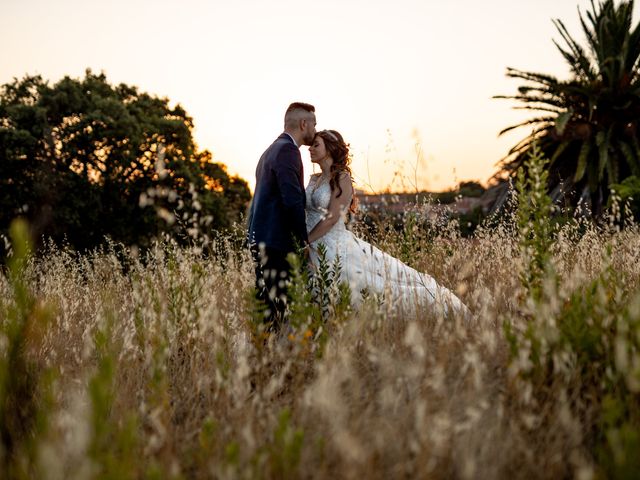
[{"x": 297, "y": 111}]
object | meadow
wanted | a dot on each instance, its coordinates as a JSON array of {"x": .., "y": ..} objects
[{"x": 127, "y": 364}]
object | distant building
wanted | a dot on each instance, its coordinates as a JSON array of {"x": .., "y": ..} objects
[{"x": 429, "y": 203}]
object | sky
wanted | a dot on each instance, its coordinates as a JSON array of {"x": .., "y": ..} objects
[{"x": 409, "y": 83}]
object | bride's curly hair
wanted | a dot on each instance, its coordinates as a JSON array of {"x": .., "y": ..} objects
[{"x": 338, "y": 149}]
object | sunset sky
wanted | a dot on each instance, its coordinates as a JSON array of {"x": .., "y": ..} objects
[{"x": 389, "y": 75}]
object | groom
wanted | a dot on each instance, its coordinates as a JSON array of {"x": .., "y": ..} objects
[{"x": 276, "y": 217}]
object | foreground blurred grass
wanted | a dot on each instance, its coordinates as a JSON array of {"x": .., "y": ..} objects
[{"x": 116, "y": 365}]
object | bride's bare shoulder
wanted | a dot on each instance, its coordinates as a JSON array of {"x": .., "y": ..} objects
[{"x": 345, "y": 179}]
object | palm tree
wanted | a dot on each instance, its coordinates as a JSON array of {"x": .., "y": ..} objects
[{"x": 588, "y": 128}]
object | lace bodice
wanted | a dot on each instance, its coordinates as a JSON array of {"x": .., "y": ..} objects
[{"x": 318, "y": 194}]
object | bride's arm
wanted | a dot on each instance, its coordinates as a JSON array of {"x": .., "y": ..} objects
[{"x": 337, "y": 207}]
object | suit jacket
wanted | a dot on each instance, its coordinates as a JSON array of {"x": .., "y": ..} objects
[{"x": 276, "y": 215}]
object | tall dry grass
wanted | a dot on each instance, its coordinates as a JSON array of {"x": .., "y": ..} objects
[{"x": 151, "y": 366}]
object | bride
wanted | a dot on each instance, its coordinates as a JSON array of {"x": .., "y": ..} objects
[{"x": 330, "y": 196}]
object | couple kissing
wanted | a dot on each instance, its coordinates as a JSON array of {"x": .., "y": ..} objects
[{"x": 284, "y": 215}]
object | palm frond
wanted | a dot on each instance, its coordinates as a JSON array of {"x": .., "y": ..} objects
[
  {"x": 559, "y": 151},
  {"x": 635, "y": 145},
  {"x": 612, "y": 170},
  {"x": 541, "y": 108},
  {"x": 582, "y": 161},
  {"x": 588, "y": 32},
  {"x": 527, "y": 141},
  {"x": 632, "y": 160},
  {"x": 557, "y": 102},
  {"x": 532, "y": 76},
  {"x": 602, "y": 141},
  {"x": 633, "y": 52},
  {"x": 562, "y": 120},
  {"x": 577, "y": 59},
  {"x": 547, "y": 120}
]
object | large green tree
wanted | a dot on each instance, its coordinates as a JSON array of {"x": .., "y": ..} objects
[
  {"x": 589, "y": 124},
  {"x": 83, "y": 159}
]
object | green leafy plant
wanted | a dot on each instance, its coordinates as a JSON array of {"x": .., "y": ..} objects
[
  {"x": 26, "y": 396},
  {"x": 534, "y": 222},
  {"x": 114, "y": 445},
  {"x": 284, "y": 452},
  {"x": 583, "y": 345}
]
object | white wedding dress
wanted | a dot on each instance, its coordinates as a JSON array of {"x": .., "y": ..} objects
[{"x": 367, "y": 268}]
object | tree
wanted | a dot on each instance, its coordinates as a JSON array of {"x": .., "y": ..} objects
[
  {"x": 83, "y": 159},
  {"x": 589, "y": 125},
  {"x": 470, "y": 188}
]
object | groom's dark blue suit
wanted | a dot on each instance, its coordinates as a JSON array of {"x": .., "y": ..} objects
[
  {"x": 276, "y": 222},
  {"x": 276, "y": 217}
]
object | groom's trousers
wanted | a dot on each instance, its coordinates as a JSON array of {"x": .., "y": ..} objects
[{"x": 272, "y": 276}]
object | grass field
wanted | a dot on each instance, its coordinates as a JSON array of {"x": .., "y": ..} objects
[{"x": 121, "y": 365}]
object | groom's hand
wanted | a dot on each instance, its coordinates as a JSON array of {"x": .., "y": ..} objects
[{"x": 306, "y": 252}]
